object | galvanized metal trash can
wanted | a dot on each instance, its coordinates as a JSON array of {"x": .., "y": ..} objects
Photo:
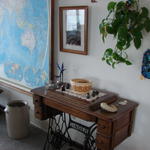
[{"x": 17, "y": 119}]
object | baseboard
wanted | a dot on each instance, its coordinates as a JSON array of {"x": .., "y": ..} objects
[{"x": 38, "y": 126}]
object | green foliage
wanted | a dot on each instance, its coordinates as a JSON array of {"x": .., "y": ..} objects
[
  {"x": 111, "y": 6},
  {"x": 126, "y": 22}
]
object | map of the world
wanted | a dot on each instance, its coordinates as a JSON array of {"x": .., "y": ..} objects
[{"x": 24, "y": 46}]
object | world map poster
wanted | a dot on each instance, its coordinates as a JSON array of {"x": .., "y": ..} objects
[{"x": 24, "y": 41}]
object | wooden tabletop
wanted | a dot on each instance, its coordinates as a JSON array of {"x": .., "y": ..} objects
[{"x": 79, "y": 107}]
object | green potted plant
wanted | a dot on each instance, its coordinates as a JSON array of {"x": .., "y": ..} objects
[{"x": 126, "y": 22}]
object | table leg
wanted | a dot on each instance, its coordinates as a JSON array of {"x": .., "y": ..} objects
[
  {"x": 89, "y": 142},
  {"x": 58, "y": 133}
]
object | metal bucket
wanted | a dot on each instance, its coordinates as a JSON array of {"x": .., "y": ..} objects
[{"x": 17, "y": 119}]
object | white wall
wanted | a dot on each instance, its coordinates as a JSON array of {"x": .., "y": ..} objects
[{"x": 124, "y": 80}]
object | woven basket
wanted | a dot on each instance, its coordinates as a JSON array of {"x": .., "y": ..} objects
[{"x": 81, "y": 86}]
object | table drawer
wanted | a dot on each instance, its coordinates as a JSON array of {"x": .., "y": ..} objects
[
  {"x": 37, "y": 100},
  {"x": 120, "y": 135},
  {"x": 104, "y": 127},
  {"x": 103, "y": 142},
  {"x": 122, "y": 121},
  {"x": 38, "y": 112}
]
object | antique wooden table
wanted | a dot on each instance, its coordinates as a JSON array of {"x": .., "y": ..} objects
[{"x": 111, "y": 128}]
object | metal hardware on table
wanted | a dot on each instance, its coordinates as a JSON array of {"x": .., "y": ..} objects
[
  {"x": 89, "y": 142},
  {"x": 58, "y": 133}
]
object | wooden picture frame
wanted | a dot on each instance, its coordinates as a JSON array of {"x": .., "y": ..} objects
[
  {"x": 52, "y": 58},
  {"x": 73, "y": 24}
]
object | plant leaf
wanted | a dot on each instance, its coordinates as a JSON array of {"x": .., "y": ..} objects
[
  {"x": 102, "y": 28},
  {"x": 147, "y": 25},
  {"x": 111, "y": 6},
  {"x": 120, "y": 44},
  {"x": 129, "y": 39},
  {"x": 115, "y": 25},
  {"x": 113, "y": 65},
  {"x": 134, "y": 16},
  {"x": 108, "y": 62},
  {"x": 120, "y": 5},
  {"x": 103, "y": 38},
  {"x": 144, "y": 12},
  {"x": 137, "y": 34},
  {"x": 118, "y": 57},
  {"x": 137, "y": 43},
  {"x": 140, "y": 27},
  {"x": 128, "y": 62},
  {"x": 103, "y": 58},
  {"x": 122, "y": 33},
  {"x": 110, "y": 29},
  {"x": 108, "y": 52}
]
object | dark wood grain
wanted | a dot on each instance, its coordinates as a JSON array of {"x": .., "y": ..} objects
[{"x": 52, "y": 60}]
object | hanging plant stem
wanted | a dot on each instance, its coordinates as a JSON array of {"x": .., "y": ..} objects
[{"x": 126, "y": 22}]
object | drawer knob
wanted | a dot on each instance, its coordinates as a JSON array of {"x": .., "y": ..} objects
[
  {"x": 36, "y": 100},
  {"x": 37, "y": 112}
]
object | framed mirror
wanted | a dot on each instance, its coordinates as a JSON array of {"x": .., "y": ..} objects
[{"x": 73, "y": 23}]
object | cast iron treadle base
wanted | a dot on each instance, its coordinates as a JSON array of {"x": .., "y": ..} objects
[{"x": 58, "y": 133}]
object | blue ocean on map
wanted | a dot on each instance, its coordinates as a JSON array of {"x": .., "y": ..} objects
[{"x": 24, "y": 48}]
